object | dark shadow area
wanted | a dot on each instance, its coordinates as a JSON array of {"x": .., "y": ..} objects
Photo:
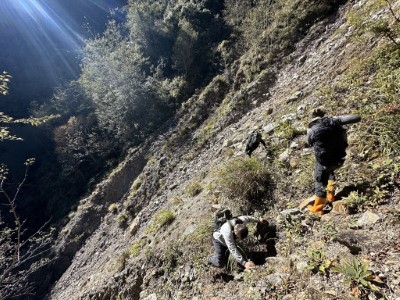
[
  {"x": 260, "y": 197},
  {"x": 223, "y": 277},
  {"x": 265, "y": 244},
  {"x": 345, "y": 192}
]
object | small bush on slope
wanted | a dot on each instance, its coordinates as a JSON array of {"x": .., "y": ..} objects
[{"x": 246, "y": 179}]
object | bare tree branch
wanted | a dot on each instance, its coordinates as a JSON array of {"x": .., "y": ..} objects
[{"x": 20, "y": 255}]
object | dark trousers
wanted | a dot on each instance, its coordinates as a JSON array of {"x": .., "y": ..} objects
[
  {"x": 322, "y": 174},
  {"x": 221, "y": 255}
]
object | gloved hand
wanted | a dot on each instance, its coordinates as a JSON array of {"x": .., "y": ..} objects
[
  {"x": 249, "y": 265},
  {"x": 262, "y": 221}
]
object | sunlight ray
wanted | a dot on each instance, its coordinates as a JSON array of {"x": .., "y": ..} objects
[{"x": 53, "y": 29}]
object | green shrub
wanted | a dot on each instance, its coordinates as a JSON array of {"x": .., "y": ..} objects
[
  {"x": 374, "y": 82},
  {"x": 357, "y": 275},
  {"x": 134, "y": 249},
  {"x": 363, "y": 25},
  {"x": 113, "y": 208},
  {"x": 245, "y": 178},
  {"x": 355, "y": 200},
  {"x": 164, "y": 218},
  {"x": 317, "y": 261},
  {"x": 122, "y": 218},
  {"x": 193, "y": 188},
  {"x": 161, "y": 219},
  {"x": 287, "y": 131},
  {"x": 176, "y": 200},
  {"x": 137, "y": 183}
]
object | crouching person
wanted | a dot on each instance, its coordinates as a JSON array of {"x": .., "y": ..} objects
[{"x": 225, "y": 239}]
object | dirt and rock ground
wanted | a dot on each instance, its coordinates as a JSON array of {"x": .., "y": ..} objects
[{"x": 150, "y": 236}]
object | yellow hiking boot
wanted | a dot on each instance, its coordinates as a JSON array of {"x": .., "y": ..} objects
[
  {"x": 330, "y": 191},
  {"x": 319, "y": 204}
]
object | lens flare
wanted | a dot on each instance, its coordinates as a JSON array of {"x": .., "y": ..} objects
[{"x": 49, "y": 33}]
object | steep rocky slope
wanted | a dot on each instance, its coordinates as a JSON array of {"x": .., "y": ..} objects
[{"x": 144, "y": 233}]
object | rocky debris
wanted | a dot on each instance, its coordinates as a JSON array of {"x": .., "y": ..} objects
[
  {"x": 149, "y": 297},
  {"x": 133, "y": 228},
  {"x": 290, "y": 214},
  {"x": 368, "y": 219},
  {"x": 270, "y": 127},
  {"x": 351, "y": 240},
  {"x": 339, "y": 207},
  {"x": 294, "y": 97},
  {"x": 308, "y": 201},
  {"x": 285, "y": 155}
]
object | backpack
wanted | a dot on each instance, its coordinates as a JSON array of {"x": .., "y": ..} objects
[
  {"x": 224, "y": 215},
  {"x": 329, "y": 140},
  {"x": 253, "y": 141}
]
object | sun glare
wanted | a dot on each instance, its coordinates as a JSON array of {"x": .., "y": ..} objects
[
  {"x": 51, "y": 29},
  {"x": 42, "y": 29}
]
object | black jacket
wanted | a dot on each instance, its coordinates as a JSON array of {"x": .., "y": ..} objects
[{"x": 329, "y": 139}]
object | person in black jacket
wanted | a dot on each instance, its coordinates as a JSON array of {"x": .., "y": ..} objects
[{"x": 329, "y": 140}]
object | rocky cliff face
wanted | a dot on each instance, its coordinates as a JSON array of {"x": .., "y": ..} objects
[{"x": 144, "y": 233}]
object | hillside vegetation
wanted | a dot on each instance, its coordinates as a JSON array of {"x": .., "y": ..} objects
[{"x": 211, "y": 72}]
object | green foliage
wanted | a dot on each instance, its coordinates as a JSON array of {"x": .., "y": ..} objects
[
  {"x": 176, "y": 200},
  {"x": 146, "y": 29},
  {"x": 83, "y": 150},
  {"x": 356, "y": 274},
  {"x": 370, "y": 87},
  {"x": 135, "y": 249},
  {"x": 68, "y": 100},
  {"x": 183, "y": 48},
  {"x": 198, "y": 242},
  {"x": 161, "y": 219},
  {"x": 364, "y": 25},
  {"x": 164, "y": 218},
  {"x": 80, "y": 146},
  {"x": 122, "y": 218},
  {"x": 274, "y": 26},
  {"x": 246, "y": 179},
  {"x": 137, "y": 183},
  {"x": 287, "y": 131},
  {"x": 328, "y": 230},
  {"x": 355, "y": 200},
  {"x": 137, "y": 81},
  {"x": 193, "y": 188},
  {"x": 375, "y": 83},
  {"x": 318, "y": 262},
  {"x": 236, "y": 11},
  {"x": 205, "y": 134},
  {"x": 4, "y": 80},
  {"x": 127, "y": 103},
  {"x": 5, "y": 134},
  {"x": 113, "y": 208},
  {"x": 137, "y": 74}
]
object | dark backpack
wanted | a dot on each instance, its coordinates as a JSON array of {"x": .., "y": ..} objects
[
  {"x": 329, "y": 140},
  {"x": 253, "y": 141},
  {"x": 224, "y": 215}
]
